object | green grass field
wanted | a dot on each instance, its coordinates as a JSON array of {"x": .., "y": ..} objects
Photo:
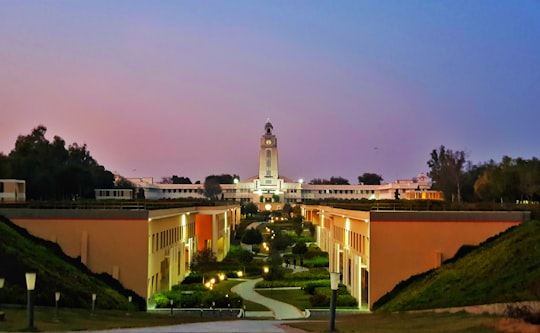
[
  {"x": 404, "y": 323},
  {"x": 81, "y": 319}
]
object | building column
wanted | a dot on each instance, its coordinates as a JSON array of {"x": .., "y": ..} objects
[{"x": 214, "y": 234}]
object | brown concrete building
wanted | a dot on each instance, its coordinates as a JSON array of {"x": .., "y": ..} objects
[
  {"x": 375, "y": 250},
  {"x": 146, "y": 250},
  {"x": 12, "y": 190}
]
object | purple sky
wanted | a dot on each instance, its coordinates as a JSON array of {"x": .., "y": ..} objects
[{"x": 157, "y": 88}]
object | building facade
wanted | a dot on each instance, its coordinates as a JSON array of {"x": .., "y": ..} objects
[
  {"x": 12, "y": 190},
  {"x": 148, "y": 251},
  {"x": 375, "y": 250},
  {"x": 269, "y": 190}
]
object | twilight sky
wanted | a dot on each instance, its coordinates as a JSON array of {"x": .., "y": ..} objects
[{"x": 157, "y": 88}]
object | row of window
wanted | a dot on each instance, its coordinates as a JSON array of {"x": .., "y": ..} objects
[
  {"x": 355, "y": 240},
  {"x": 165, "y": 238},
  {"x": 180, "y": 190},
  {"x": 115, "y": 193}
]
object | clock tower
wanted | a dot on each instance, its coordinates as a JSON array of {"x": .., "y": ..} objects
[{"x": 268, "y": 157}]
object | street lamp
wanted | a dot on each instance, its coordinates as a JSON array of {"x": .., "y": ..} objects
[
  {"x": 30, "y": 286},
  {"x": 130, "y": 298},
  {"x": 334, "y": 282},
  {"x": 94, "y": 296},
  {"x": 56, "y": 300},
  {"x": 1, "y": 286},
  {"x": 266, "y": 271}
]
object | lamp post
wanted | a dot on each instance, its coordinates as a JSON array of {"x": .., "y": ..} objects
[
  {"x": 1, "y": 286},
  {"x": 334, "y": 282},
  {"x": 130, "y": 298},
  {"x": 266, "y": 271},
  {"x": 56, "y": 300},
  {"x": 30, "y": 286},
  {"x": 94, "y": 296}
]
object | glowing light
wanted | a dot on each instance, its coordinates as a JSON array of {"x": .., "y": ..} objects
[
  {"x": 268, "y": 207},
  {"x": 266, "y": 269},
  {"x": 239, "y": 273}
]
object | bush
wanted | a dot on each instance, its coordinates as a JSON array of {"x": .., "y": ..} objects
[
  {"x": 192, "y": 278},
  {"x": 522, "y": 312},
  {"x": 346, "y": 300},
  {"x": 311, "y": 287},
  {"x": 319, "y": 300},
  {"x": 161, "y": 300}
]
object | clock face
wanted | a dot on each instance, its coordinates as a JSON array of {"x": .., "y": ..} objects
[{"x": 268, "y": 142}]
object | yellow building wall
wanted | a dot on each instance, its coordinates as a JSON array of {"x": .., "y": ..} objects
[
  {"x": 402, "y": 248},
  {"x": 104, "y": 245},
  {"x": 171, "y": 239},
  {"x": 375, "y": 250}
]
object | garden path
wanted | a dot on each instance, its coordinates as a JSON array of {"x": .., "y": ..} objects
[{"x": 279, "y": 310}]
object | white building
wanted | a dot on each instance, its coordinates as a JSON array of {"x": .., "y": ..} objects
[{"x": 269, "y": 190}]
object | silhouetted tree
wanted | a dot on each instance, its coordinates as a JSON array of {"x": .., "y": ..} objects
[
  {"x": 447, "y": 171},
  {"x": 249, "y": 209},
  {"x": 203, "y": 261},
  {"x": 252, "y": 236},
  {"x": 53, "y": 172},
  {"x": 370, "y": 179},
  {"x": 287, "y": 209},
  {"x": 331, "y": 181},
  {"x": 212, "y": 189}
]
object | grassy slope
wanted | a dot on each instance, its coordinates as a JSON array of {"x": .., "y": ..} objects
[
  {"x": 505, "y": 268},
  {"x": 21, "y": 252}
]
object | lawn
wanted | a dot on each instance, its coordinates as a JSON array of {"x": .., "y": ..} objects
[
  {"x": 295, "y": 297},
  {"x": 403, "y": 323},
  {"x": 82, "y": 319}
]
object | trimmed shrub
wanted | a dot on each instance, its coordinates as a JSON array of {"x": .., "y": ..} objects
[
  {"x": 311, "y": 287},
  {"x": 319, "y": 300}
]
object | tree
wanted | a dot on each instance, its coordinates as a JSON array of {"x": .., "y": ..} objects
[
  {"x": 245, "y": 257},
  {"x": 180, "y": 180},
  {"x": 331, "y": 181},
  {"x": 224, "y": 178},
  {"x": 370, "y": 179},
  {"x": 396, "y": 194},
  {"x": 299, "y": 248},
  {"x": 338, "y": 181},
  {"x": 122, "y": 182},
  {"x": 287, "y": 209},
  {"x": 281, "y": 241},
  {"x": 298, "y": 226},
  {"x": 447, "y": 171},
  {"x": 252, "y": 236},
  {"x": 249, "y": 209},
  {"x": 212, "y": 188},
  {"x": 53, "y": 172},
  {"x": 203, "y": 261}
]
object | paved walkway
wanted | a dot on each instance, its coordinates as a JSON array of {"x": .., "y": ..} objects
[
  {"x": 279, "y": 310},
  {"x": 236, "y": 326}
]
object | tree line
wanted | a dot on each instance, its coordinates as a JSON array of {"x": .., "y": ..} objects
[
  {"x": 511, "y": 180},
  {"x": 52, "y": 171},
  {"x": 55, "y": 172}
]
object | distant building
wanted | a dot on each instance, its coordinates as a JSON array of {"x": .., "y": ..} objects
[
  {"x": 270, "y": 190},
  {"x": 12, "y": 190},
  {"x": 114, "y": 193}
]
